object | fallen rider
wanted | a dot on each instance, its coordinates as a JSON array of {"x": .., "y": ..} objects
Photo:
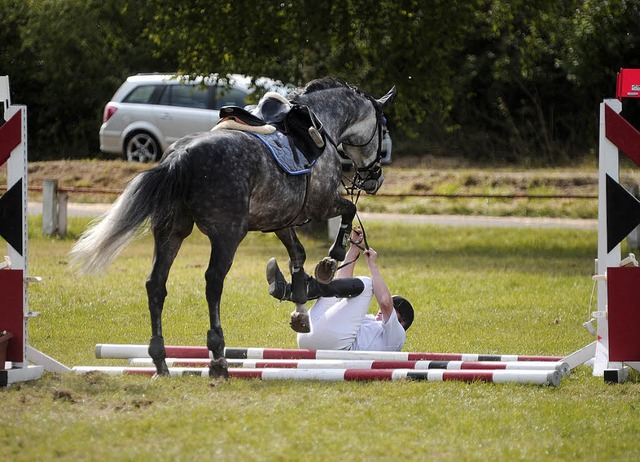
[{"x": 339, "y": 318}]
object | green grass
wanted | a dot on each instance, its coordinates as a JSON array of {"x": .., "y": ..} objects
[
  {"x": 476, "y": 290},
  {"x": 552, "y": 208}
]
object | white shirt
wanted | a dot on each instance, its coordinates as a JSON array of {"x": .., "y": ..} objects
[
  {"x": 380, "y": 336},
  {"x": 344, "y": 324}
]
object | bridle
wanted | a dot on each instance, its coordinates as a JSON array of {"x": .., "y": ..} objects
[{"x": 368, "y": 178}]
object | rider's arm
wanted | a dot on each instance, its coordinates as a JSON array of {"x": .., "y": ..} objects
[{"x": 380, "y": 289}]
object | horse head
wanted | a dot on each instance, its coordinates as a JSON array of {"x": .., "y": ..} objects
[
  {"x": 353, "y": 119},
  {"x": 363, "y": 145}
]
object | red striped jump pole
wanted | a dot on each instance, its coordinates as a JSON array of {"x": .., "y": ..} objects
[
  {"x": 532, "y": 377},
  {"x": 561, "y": 367},
  {"x": 117, "y": 351}
]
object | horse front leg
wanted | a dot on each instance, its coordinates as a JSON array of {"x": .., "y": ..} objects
[
  {"x": 347, "y": 211},
  {"x": 327, "y": 267},
  {"x": 297, "y": 256}
]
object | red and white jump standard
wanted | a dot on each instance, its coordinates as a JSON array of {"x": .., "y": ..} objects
[{"x": 617, "y": 316}]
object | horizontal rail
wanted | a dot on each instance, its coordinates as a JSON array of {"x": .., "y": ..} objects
[
  {"x": 85, "y": 190},
  {"x": 494, "y": 196},
  {"x": 73, "y": 189}
]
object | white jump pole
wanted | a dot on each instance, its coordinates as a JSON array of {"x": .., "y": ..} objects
[
  {"x": 561, "y": 367},
  {"x": 123, "y": 351},
  {"x": 532, "y": 377}
]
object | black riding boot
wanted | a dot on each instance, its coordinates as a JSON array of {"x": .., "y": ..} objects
[
  {"x": 278, "y": 285},
  {"x": 340, "y": 288}
]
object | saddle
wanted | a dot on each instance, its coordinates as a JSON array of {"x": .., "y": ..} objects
[{"x": 298, "y": 123}]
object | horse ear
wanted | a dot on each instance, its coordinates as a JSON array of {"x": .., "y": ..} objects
[{"x": 386, "y": 99}]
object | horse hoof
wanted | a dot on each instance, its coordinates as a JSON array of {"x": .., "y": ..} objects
[
  {"x": 218, "y": 369},
  {"x": 300, "y": 322},
  {"x": 161, "y": 369},
  {"x": 161, "y": 373},
  {"x": 325, "y": 270}
]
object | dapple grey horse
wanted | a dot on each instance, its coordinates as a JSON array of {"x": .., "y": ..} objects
[{"x": 227, "y": 183}]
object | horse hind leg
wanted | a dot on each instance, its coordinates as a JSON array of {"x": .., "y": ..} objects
[
  {"x": 214, "y": 277},
  {"x": 223, "y": 249},
  {"x": 166, "y": 247},
  {"x": 158, "y": 355}
]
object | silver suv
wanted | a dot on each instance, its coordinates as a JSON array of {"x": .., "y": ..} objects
[{"x": 150, "y": 111}]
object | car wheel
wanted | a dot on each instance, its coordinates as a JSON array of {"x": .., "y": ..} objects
[{"x": 142, "y": 147}]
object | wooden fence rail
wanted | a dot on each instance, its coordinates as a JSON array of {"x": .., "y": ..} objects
[{"x": 55, "y": 198}]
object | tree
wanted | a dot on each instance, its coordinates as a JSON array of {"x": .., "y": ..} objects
[
  {"x": 373, "y": 44},
  {"x": 536, "y": 73},
  {"x": 490, "y": 79},
  {"x": 605, "y": 39},
  {"x": 65, "y": 59}
]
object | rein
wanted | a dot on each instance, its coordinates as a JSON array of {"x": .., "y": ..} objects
[
  {"x": 364, "y": 233},
  {"x": 375, "y": 130},
  {"x": 373, "y": 171}
]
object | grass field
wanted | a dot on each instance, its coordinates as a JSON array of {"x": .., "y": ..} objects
[{"x": 476, "y": 290}]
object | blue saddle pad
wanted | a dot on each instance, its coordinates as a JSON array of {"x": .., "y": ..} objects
[{"x": 292, "y": 162}]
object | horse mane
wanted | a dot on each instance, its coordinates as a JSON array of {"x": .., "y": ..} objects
[{"x": 327, "y": 83}]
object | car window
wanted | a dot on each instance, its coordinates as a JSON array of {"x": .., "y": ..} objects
[
  {"x": 185, "y": 96},
  {"x": 142, "y": 94},
  {"x": 230, "y": 97}
]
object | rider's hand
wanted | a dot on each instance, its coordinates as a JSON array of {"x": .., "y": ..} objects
[
  {"x": 370, "y": 255},
  {"x": 356, "y": 235}
]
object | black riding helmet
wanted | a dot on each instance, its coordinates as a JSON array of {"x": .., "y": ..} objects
[{"x": 404, "y": 308}]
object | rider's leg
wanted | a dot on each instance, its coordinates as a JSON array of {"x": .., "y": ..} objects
[
  {"x": 336, "y": 321},
  {"x": 341, "y": 288}
]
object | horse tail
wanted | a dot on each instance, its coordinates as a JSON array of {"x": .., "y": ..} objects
[{"x": 154, "y": 194}]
